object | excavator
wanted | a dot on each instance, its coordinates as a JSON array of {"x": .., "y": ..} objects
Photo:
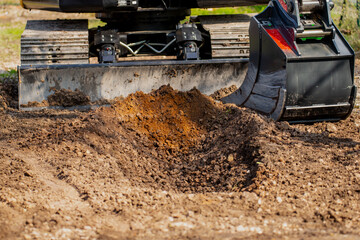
[{"x": 289, "y": 62}]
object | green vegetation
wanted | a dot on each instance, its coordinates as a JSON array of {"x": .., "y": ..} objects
[
  {"x": 10, "y": 34},
  {"x": 12, "y": 31},
  {"x": 236, "y": 10},
  {"x": 93, "y": 23},
  {"x": 349, "y": 25},
  {"x": 9, "y": 2},
  {"x": 7, "y": 76}
]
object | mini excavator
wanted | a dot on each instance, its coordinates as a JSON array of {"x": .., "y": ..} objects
[{"x": 289, "y": 62}]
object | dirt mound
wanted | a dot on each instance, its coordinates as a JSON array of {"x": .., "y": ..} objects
[
  {"x": 8, "y": 94},
  {"x": 167, "y": 117},
  {"x": 68, "y": 98},
  {"x": 204, "y": 145},
  {"x": 62, "y": 98}
]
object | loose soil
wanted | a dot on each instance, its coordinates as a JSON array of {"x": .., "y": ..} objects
[
  {"x": 177, "y": 165},
  {"x": 62, "y": 98},
  {"x": 223, "y": 92}
]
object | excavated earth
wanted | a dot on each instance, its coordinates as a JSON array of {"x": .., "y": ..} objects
[{"x": 175, "y": 165}]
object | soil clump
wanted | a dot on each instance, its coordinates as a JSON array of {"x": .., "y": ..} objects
[{"x": 217, "y": 95}]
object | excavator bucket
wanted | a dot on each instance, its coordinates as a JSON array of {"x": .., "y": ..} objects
[{"x": 301, "y": 68}]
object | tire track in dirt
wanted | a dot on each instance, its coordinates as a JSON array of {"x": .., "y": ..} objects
[
  {"x": 53, "y": 196},
  {"x": 53, "y": 184}
]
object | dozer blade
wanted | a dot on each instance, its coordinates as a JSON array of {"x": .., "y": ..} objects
[
  {"x": 107, "y": 81},
  {"x": 55, "y": 63},
  {"x": 301, "y": 68}
]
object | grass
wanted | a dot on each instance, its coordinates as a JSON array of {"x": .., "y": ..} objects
[
  {"x": 12, "y": 31},
  {"x": 349, "y": 26},
  {"x": 10, "y": 75},
  {"x": 10, "y": 34},
  {"x": 10, "y": 2},
  {"x": 93, "y": 23},
  {"x": 236, "y": 10}
]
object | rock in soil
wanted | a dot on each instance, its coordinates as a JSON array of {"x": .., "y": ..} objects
[{"x": 3, "y": 104}]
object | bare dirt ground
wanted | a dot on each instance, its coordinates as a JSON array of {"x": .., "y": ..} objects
[{"x": 175, "y": 165}]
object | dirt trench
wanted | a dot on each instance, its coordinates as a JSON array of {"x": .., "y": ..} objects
[{"x": 173, "y": 164}]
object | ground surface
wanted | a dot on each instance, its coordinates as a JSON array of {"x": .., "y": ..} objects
[{"x": 175, "y": 165}]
